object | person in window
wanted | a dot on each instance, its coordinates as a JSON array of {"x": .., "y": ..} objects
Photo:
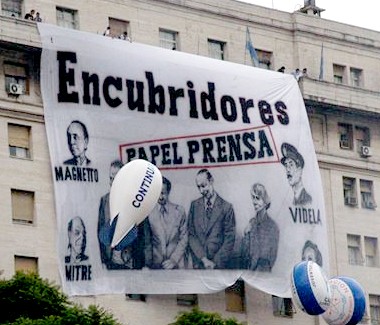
[
  {"x": 294, "y": 163},
  {"x": 260, "y": 242},
  {"x": 77, "y": 140},
  {"x": 107, "y": 32},
  {"x": 125, "y": 36},
  {"x": 211, "y": 226},
  {"x": 76, "y": 232}
]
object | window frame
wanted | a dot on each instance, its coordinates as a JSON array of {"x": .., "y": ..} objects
[
  {"x": 356, "y": 77},
  {"x": 339, "y": 74},
  {"x": 375, "y": 256},
  {"x": 362, "y": 137},
  {"x": 135, "y": 297},
  {"x": 350, "y": 191},
  {"x": 265, "y": 59},
  {"x": 188, "y": 300},
  {"x": 63, "y": 22},
  {"x": 118, "y": 26},
  {"x": 17, "y": 13},
  {"x": 19, "y": 206},
  {"x": 367, "y": 194},
  {"x": 346, "y": 136},
  {"x": 235, "y": 297},
  {"x": 354, "y": 249},
  {"x": 168, "y": 43},
  {"x": 16, "y": 72},
  {"x": 31, "y": 264},
  {"x": 282, "y": 307},
  {"x": 214, "y": 52},
  {"x": 16, "y": 145},
  {"x": 374, "y": 305}
]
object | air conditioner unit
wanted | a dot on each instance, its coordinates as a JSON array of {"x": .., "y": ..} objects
[
  {"x": 366, "y": 151},
  {"x": 348, "y": 200},
  {"x": 15, "y": 89}
]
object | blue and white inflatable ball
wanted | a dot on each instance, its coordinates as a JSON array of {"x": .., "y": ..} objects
[
  {"x": 347, "y": 302},
  {"x": 310, "y": 288}
]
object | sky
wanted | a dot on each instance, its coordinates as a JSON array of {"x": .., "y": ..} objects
[{"x": 363, "y": 13}]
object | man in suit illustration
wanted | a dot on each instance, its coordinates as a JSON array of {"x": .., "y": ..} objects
[
  {"x": 77, "y": 139},
  {"x": 167, "y": 239},
  {"x": 132, "y": 256},
  {"x": 211, "y": 226}
]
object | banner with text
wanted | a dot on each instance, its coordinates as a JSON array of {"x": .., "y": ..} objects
[{"x": 241, "y": 196}]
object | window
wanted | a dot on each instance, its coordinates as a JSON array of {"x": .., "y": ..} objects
[
  {"x": 168, "y": 39},
  {"x": 371, "y": 258},
  {"x": 235, "y": 296},
  {"x": 11, "y": 8},
  {"x": 345, "y": 136},
  {"x": 67, "y": 18},
  {"x": 118, "y": 27},
  {"x": 136, "y": 296},
  {"x": 374, "y": 309},
  {"x": 354, "y": 250},
  {"x": 366, "y": 194},
  {"x": 362, "y": 137},
  {"x": 265, "y": 59},
  {"x": 317, "y": 131},
  {"x": 26, "y": 264},
  {"x": 16, "y": 74},
  {"x": 339, "y": 72},
  {"x": 22, "y": 206},
  {"x": 349, "y": 191},
  {"x": 216, "y": 49},
  {"x": 356, "y": 77},
  {"x": 282, "y": 306},
  {"x": 19, "y": 140},
  {"x": 187, "y": 300}
]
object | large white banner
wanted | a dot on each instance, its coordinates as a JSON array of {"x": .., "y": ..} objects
[{"x": 242, "y": 194}]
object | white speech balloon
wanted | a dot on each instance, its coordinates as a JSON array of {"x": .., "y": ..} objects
[{"x": 134, "y": 192}]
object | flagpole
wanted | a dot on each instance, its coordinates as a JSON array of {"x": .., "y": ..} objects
[
  {"x": 321, "y": 67},
  {"x": 252, "y": 52},
  {"x": 245, "y": 46}
]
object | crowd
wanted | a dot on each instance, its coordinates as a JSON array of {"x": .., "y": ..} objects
[
  {"x": 33, "y": 15},
  {"x": 124, "y": 36},
  {"x": 297, "y": 73}
]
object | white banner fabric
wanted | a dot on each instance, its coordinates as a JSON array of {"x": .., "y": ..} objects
[{"x": 242, "y": 195}]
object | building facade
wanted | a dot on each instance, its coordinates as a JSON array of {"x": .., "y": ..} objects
[{"x": 341, "y": 92}]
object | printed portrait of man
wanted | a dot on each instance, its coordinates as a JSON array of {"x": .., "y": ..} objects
[
  {"x": 77, "y": 236},
  {"x": 294, "y": 164},
  {"x": 211, "y": 226},
  {"x": 111, "y": 258},
  {"x": 77, "y": 140},
  {"x": 167, "y": 235}
]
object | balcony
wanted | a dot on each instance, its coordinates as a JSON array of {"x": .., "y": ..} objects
[
  {"x": 329, "y": 95},
  {"x": 22, "y": 32}
]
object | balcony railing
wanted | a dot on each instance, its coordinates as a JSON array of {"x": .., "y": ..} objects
[{"x": 330, "y": 94}]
